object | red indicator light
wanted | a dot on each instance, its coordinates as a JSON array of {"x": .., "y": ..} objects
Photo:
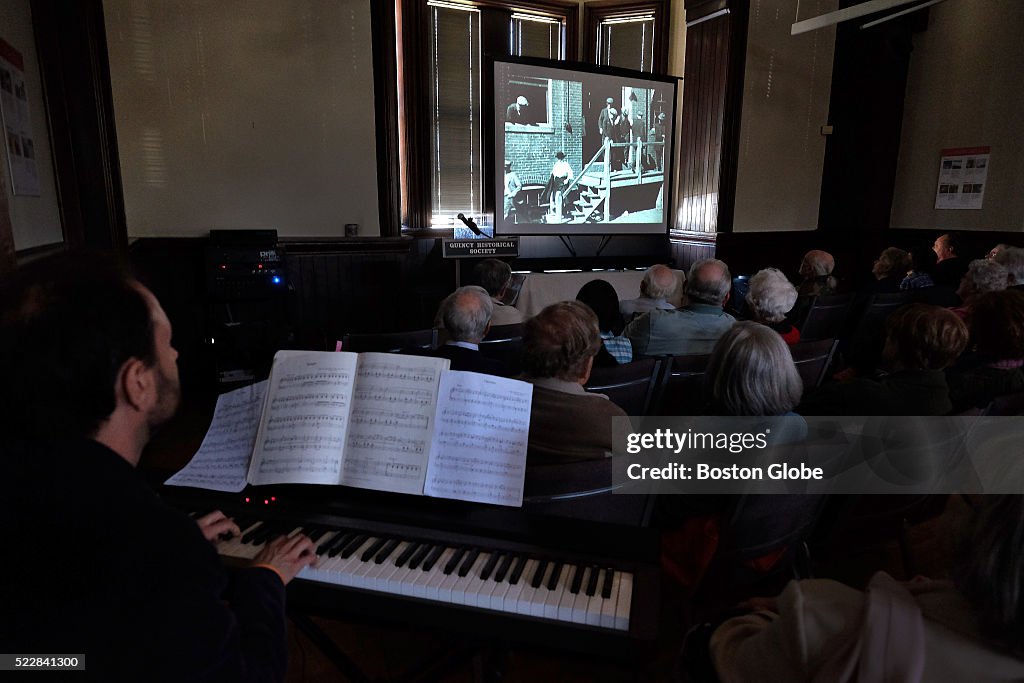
[
  {"x": 246, "y": 499},
  {"x": 273, "y": 498},
  {"x": 259, "y": 265},
  {"x": 223, "y": 267},
  {"x": 266, "y": 502}
]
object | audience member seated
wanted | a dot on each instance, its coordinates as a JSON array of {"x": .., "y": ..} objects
[
  {"x": 751, "y": 372},
  {"x": 495, "y": 276},
  {"x": 771, "y": 296},
  {"x": 566, "y": 422},
  {"x": 922, "y": 265},
  {"x": 694, "y": 328},
  {"x": 816, "y": 270},
  {"x": 658, "y": 285},
  {"x": 996, "y": 250},
  {"x": 970, "y": 629},
  {"x": 600, "y": 296},
  {"x": 982, "y": 276},
  {"x": 997, "y": 332},
  {"x": 950, "y": 267},
  {"x": 466, "y": 314},
  {"x": 889, "y": 270},
  {"x": 1012, "y": 258},
  {"x": 921, "y": 341}
]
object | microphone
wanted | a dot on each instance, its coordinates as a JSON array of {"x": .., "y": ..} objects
[{"x": 469, "y": 223}]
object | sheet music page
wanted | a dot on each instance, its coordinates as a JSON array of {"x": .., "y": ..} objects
[
  {"x": 479, "y": 446},
  {"x": 305, "y": 419},
  {"x": 391, "y": 423},
  {"x": 222, "y": 460}
]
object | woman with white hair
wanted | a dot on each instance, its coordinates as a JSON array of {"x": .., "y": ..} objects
[
  {"x": 751, "y": 372},
  {"x": 771, "y": 296},
  {"x": 982, "y": 276}
]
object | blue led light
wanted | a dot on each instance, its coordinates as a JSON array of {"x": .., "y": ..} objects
[{"x": 276, "y": 279}]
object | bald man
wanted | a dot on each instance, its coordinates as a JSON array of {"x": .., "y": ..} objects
[
  {"x": 694, "y": 328},
  {"x": 658, "y": 285}
]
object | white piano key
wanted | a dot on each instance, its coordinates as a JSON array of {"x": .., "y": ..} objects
[
  {"x": 420, "y": 579},
  {"x": 578, "y": 613},
  {"x": 554, "y": 597},
  {"x": 436, "y": 575},
  {"x": 624, "y": 603},
  {"x": 542, "y": 593},
  {"x": 516, "y": 599},
  {"x": 499, "y": 593},
  {"x": 460, "y": 586},
  {"x": 566, "y": 601},
  {"x": 608, "y": 608},
  {"x": 477, "y": 586}
]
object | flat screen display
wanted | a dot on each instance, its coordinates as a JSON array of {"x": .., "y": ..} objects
[{"x": 581, "y": 152}]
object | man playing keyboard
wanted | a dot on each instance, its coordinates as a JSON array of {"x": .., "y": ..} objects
[{"x": 97, "y": 565}]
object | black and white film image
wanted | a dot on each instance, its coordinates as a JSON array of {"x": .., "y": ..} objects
[{"x": 580, "y": 152}]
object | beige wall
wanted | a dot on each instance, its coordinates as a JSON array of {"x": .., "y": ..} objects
[
  {"x": 965, "y": 90},
  {"x": 35, "y": 220},
  {"x": 786, "y": 90},
  {"x": 244, "y": 114}
]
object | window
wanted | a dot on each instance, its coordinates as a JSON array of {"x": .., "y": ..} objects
[
  {"x": 628, "y": 35},
  {"x": 440, "y": 106}
]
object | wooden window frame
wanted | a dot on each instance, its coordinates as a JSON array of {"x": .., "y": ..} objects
[{"x": 596, "y": 12}]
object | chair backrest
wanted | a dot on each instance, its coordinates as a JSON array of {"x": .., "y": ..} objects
[
  {"x": 390, "y": 342},
  {"x": 827, "y": 317},
  {"x": 1008, "y": 405},
  {"x": 872, "y": 321},
  {"x": 812, "y": 360},
  {"x": 509, "y": 352},
  {"x": 583, "y": 490},
  {"x": 761, "y": 524},
  {"x": 630, "y": 386},
  {"x": 500, "y": 333},
  {"x": 681, "y": 391}
]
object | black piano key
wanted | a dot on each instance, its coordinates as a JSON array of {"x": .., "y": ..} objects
[
  {"x": 353, "y": 546},
  {"x": 453, "y": 561},
  {"x": 468, "y": 563},
  {"x": 386, "y": 551},
  {"x": 606, "y": 589},
  {"x": 316, "y": 533},
  {"x": 517, "y": 570},
  {"x": 555, "y": 573},
  {"x": 538, "y": 576},
  {"x": 373, "y": 549},
  {"x": 268, "y": 532},
  {"x": 489, "y": 565},
  {"x": 431, "y": 559},
  {"x": 592, "y": 583},
  {"x": 323, "y": 547},
  {"x": 406, "y": 554},
  {"x": 339, "y": 542},
  {"x": 502, "y": 570},
  {"x": 417, "y": 558},
  {"x": 577, "y": 579}
]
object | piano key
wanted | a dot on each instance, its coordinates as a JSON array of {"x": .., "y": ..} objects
[
  {"x": 578, "y": 614},
  {"x": 517, "y": 570},
  {"x": 468, "y": 563},
  {"x": 556, "y": 588},
  {"x": 374, "y": 548},
  {"x": 325, "y": 541},
  {"x": 611, "y": 602},
  {"x": 577, "y": 578},
  {"x": 542, "y": 591},
  {"x": 501, "y": 571},
  {"x": 596, "y": 601},
  {"x": 418, "y": 556},
  {"x": 625, "y": 602},
  {"x": 519, "y": 598},
  {"x": 489, "y": 567},
  {"x": 438, "y": 575},
  {"x": 431, "y": 558},
  {"x": 252, "y": 531},
  {"x": 472, "y": 573},
  {"x": 340, "y": 541},
  {"x": 353, "y": 545},
  {"x": 477, "y": 587},
  {"x": 315, "y": 533},
  {"x": 406, "y": 554},
  {"x": 592, "y": 582},
  {"x": 538, "y": 574},
  {"x": 393, "y": 581},
  {"x": 420, "y": 581},
  {"x": 386, "y": 551},
  {"x": 454, "y": 560},
  {"x": 606, "y": 589},
  {"x": 568, "y": 598}
]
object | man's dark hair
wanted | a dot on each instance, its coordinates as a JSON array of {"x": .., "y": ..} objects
[
  {"x": 922, "y": 260},
  {"x": 954, "y": 242},
  {"x": 67, "y": 325},
  {"x": 492, "y": 275}
]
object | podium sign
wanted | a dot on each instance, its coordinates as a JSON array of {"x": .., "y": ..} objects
[{"x": 503, "y": 247}]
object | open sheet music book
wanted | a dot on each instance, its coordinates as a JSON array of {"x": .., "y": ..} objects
[{"x": 405, "y": 424}]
